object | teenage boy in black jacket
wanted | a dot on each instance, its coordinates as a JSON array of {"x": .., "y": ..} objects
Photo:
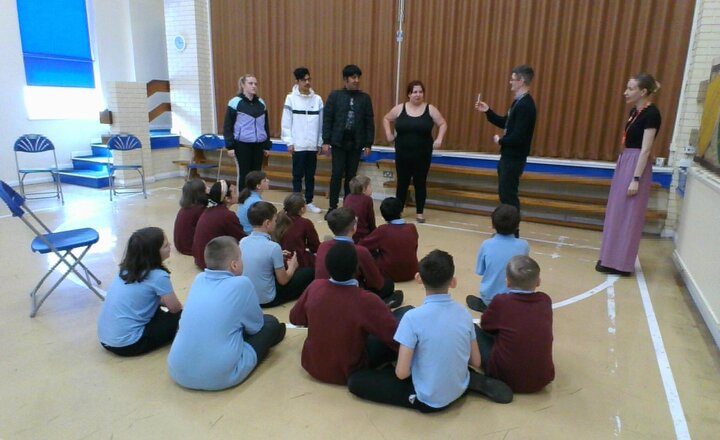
[
  {"x": 519, "y": 125},
  {"x": 349, "y": 128}
]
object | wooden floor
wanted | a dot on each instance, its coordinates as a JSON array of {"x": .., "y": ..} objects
[{"x": 633, "y": 358}]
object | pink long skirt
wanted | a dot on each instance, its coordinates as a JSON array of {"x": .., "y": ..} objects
[{"x": 625, "y": 215}]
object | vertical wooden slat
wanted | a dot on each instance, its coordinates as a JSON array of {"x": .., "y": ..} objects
[{"x": 583, "y": 52}]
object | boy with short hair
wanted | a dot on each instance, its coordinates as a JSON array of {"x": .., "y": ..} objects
[
  {"x": 394, "y": 245},
  {"x": 516, "y": 338},
  {"x": 494, "y": 255},
  {"x": 223, "y": 333},
  {"x": 349, "y": 328},
  {"x": 437, "y": 342},
  {"x": 361, "y": 202},
  {"x": 264, "y": 263},
  {"x": 343, "y": 224}
]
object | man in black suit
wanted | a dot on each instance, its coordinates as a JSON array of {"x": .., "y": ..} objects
[{"x": 518, "y": 125}]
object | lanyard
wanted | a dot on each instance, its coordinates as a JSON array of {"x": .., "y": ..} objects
[{"x": 632, "y": 119}]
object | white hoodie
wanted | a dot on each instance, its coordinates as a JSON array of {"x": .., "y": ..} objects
[{"x": 302, "y": 120}]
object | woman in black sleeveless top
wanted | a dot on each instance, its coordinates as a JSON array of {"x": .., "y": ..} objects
[{"x": 414, "y": 122}]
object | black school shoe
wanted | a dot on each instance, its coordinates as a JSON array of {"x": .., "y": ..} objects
[
  {"x": 609, "y": 270},
  {"x": 495, "y": 390},
  {"x": 475, "y": 303},
  {"x": 395, "y": 300}
]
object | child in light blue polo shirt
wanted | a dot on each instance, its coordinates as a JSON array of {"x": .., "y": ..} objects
[
  {"x": 494, "y": 255},
  {"x": 255, "y": 183},
  {"x": 437, "y": 342},
  {"x": 264, "y": 260},
  {"x": 223, "y": 333}
]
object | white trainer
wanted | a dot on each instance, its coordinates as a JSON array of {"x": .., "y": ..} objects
[{"x": 312, "y": 208}]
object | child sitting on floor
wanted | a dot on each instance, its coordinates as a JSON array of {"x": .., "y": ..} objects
[
  {"x": 217, "y": 220},
  {"x": 342, "y": 223},
  {"x": 264, "y": 264},
  {"x": 341, "y": 317},
  {"x": 223, "y": 333},
  {"x": 192, "y": 204},
  {"x": 494, "y": 255},
  {"x": 255, "y": 183},
  {"x": 361, "y": 202},
  {"x": 295, "y": 233},
  {"x": 516, "y": 338},
  {"x": 437, "y": 342},
  {"x": 394, "y": 245}
]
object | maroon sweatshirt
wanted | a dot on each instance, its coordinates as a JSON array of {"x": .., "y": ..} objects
[
  {"x": 301, "y": 238},
  {"x": 362, "y": 206},
  {"x": 395, "y": 250},
  {"x": 368, "y": 273},
  {"x": 184, "y": 231},
  {"x": 214, "y": 222}
]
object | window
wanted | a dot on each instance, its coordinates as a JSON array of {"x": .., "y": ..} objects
[{"x": 55, "y": 43}]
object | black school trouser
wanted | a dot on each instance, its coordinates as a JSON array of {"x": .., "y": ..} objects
[
  {"x": 413, "y": 165},
  {"x": 509, "y": 171},
  {"x": 249, "y": 157},
  {"x": 345, "y": 162},
  {"x": 293, "y": 289},
  {"x": 383, "y": 386},
  {"x": 387, "y": 289},
  {"x": 485, "y": 343},
  {"x": 304, "y": 164},
  {"x": 271, "y": 333},
  {"x": 158, "y": 332}
]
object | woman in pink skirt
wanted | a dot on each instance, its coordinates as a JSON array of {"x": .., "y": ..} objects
[{"x": 631, "y": 183}]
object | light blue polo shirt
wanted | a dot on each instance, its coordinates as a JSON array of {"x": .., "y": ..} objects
[
  {"x": 243, "y": 210},
  {"x": 128, "y": 308},
  {"x": 492, "y": 260},
  {"x": 440, "y": 331},
  {"x": 260, "y": 257},
  {"x": 209, "y": 352}
]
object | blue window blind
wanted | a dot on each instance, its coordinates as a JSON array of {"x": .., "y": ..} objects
[{"x": 55, "y": 43}]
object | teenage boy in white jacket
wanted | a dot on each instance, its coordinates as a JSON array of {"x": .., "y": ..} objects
[{"x": 302, "y": 132}]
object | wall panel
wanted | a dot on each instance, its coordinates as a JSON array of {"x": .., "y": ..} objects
[{"x": 583, "y": 52}]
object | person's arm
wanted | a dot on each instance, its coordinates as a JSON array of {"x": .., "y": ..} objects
[
  {"x": 284, "y": 276},
  {"x": 312, "y": 240},
  {"x": 480, "y": 264},
  {"x": 441, "y": 124},
  {"x": 229, "y": 128},
  {"x": 268, "y": 142},
  {"x": 369, "y": 269},
  {"x": 647, "y": 141},
  {"x": 489, "y": 322},
  {"x": 373, "y": 240},
  {"x": 250, "y": 313},
  {"x": 475, "y": 359},
  {"x": 524, "y": 120},
  {"x": 172, "y": 302},
  {"x": 390, "y": 118},
  {"x": 320, "y": 122},
  {"x": 371, "y": 215},
  {"x": 402, "y": 368},
  {"x": 233, "y": 227},
  {"x": 298, "y": 314},
  {"x": 286, "y": 124},
  {"x": 328, "y": 120}
]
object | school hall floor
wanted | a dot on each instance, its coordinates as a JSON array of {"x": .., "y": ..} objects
[{"x": 617, "y": 368}]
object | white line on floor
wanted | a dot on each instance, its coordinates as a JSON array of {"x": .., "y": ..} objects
[
  {"x": 597, "y": 289},
  {"x": 671, "y": 393}
]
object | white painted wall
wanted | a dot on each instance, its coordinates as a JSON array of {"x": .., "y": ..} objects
[
  {"x": 124, "y": 52},
  {"x": 697, "y": 252}
]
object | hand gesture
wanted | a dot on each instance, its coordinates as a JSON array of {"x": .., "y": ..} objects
[
  {"x": 292, "y": 263},
  {"x": 325, "y": 148},
  {"x": 437, "y": 144},
  {"x": 366, "y": 151},
  {"x": 496, "y": 139},
  {"x": 231, "y": 153},
  {"x": 291, "y": 149},
  {"x": 633, "y": 188}
]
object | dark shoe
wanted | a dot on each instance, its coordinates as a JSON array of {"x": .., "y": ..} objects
[
  {"x": 493, "y": 389},
  {"x": 609, "y": 270},
  {"x": 476, "y": 303},
  {"x": 395, "y": 300}
]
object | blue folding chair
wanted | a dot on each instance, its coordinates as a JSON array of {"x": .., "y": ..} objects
[
  {"x": 59, "y": 243},
  {"x": 32, "y": 144},
  {"x": 206, "y": 142},
  {"x": 124, "y": 142}
]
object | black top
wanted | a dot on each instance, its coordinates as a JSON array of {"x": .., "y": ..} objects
[
  {"x": 638, "y": 123},
  {"x": 519, "y": 125},
  {"x": 360, "y": 126},
  {"x": 414, "y": 132}
]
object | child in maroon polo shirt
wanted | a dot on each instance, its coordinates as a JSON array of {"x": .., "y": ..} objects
[
  {"x": 394, "y": 245},
  {"x": 361, "y": 202},
  {"x": 516, "y": 338},
  {"x": 341, "y": 317},
  {"x": 295, "y": 233}
]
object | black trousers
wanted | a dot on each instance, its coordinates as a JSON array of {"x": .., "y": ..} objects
[
  {"x": 383, "y": 386},
  {"x": 271, "y": 334},
  {"x": 158, "y": 332},
  {"x": 485, "y": 343},
  {"x": 304, "y": 164},
  {"x": 293, "y": 289},
  {"x": 413, "y": 165},
  {"x": 345, "y": 162},
  {"x": 387, "y": 289},
  {"x": 509, "y": 171},
  {"x": 379, "y": 353},
  {"x": 249, "y": 157}
]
